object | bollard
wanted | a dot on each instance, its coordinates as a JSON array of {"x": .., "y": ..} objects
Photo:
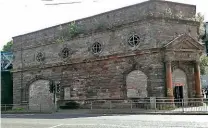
[
  {"x": 40, "y": 107},
  {"x": 5, "y": 107},
  {"x": 28, "y": 107},
  {"x": 110, "y": 105},
  {"x": 155, "y": 103},
  {"x": 91, "y": 105},
  {"x": 183, "y": 105},
  {"x": 131, "y": 105}
]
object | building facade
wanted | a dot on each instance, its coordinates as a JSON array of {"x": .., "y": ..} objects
[{"x": 139, "y": 51}]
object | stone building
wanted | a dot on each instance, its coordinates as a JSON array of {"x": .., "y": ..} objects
[{"x": 144, "y": 50}]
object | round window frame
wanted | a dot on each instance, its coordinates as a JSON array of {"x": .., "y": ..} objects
[
  {"x": 100, "y": 48},
  {"x": 63, "y": 52},
  {"x": 132, "y": 43},
  {"x": 40, "y": 57}
]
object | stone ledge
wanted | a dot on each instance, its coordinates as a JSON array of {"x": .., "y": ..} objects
[{"x": 102, "y": 58}]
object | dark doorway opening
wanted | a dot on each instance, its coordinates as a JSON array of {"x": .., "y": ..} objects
[{"x": 178, "y": 95}]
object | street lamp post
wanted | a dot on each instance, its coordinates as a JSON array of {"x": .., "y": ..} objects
[
  {"x": 54, "y": 88},
  {"x": 56, "y": 92}
]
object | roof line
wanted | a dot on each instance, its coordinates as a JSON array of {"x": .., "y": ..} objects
[
  {"x": 107, "y": 12},
  {"x": 77, "y": 20},
  {"x": 184, "y": 34},
  {"x": 173, "y": 40}
]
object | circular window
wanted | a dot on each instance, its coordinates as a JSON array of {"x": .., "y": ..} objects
[
  {"x": 40, "y": 57},
  {"x": 96, "y": 47},
  {"x": 65, "y": 52},
  {"x": 134, "y": 40}
]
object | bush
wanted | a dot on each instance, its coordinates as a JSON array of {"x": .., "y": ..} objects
[
  {"x": 70, "y": 105},
  {"x": 18, "y": 109},
  {"x": 73, "y": 30}
]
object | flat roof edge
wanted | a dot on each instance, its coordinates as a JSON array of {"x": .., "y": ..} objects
[{"x": 107, "y": 12}]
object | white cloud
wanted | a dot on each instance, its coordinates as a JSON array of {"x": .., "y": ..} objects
[{"x": 23, "y": 16}]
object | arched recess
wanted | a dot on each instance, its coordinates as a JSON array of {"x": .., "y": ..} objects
[
  {"x": 136, "y": 84},
  {"x": 179, "y": 78},
  {"x": 37, "y": 77},
  {"x": 40, "y": 97},
  {"x": 38, "y": 94},
  {"x": 27, "y": 86}
]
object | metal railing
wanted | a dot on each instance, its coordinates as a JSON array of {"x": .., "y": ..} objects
[
  {"x": 153, "y": 105},
  {"x": 163, "y": 105},
  {"x": 21, "y": 108}
]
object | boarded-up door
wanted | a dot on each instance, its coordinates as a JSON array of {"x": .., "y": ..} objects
[
  {"x": 136, "y": 82},
  {"x": 40, "y": 99}
]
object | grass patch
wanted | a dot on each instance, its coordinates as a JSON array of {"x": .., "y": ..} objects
[{"x": 18, "y": 109}]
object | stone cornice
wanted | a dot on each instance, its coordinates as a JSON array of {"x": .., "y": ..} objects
[
  {"x": 102, "y": 58},
  {"x": 183, "y": 50}
]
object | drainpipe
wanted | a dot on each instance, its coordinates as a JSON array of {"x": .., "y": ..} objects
[
  {"x": 206, "y": 37},
  {"x": 21, "y": 87}
]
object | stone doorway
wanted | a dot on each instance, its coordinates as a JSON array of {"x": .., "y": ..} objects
[
  {"x": 136, "y": 83},
  {"x": 178, "y": 92},
  {"x": 180, "y": 89},
  {"x": 40, "y": 99},
  {"x": 178, "y": 95}
]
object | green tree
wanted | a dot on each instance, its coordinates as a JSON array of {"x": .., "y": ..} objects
[
  {"x": 200, "y": 18},
  {"x": 204, "y": 59},
  {"x": 203, "y": 64},
  {"x": 73, "y": 29},
  {"x": 8, "y": 47}
]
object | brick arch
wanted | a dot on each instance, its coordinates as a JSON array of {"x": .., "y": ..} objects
[
  {"x": 180, "y": 74},
  {"x": 39, "y": 95},
  {"x": 187, "y": 67},
  {"x": 135, "y": 66},
  {"x": 136, "y": 84},
  {"x": 181, "y": 70},
  {"x": 36, "y": 78},
  {"x": 177, "y": 65}
]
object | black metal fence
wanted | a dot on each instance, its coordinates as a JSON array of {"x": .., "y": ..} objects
[
  {"x": 24, "y": 108},
  {"x": 153, "y": 105}
]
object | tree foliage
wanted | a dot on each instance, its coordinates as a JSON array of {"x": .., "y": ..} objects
[
  {"x": 73, "y": 30},
  {"x": 200, "y": 18},
  {"x": 203, "y": 64},
  {"x": 204, "y": 58},
  {"x": 8, "y": 47}
]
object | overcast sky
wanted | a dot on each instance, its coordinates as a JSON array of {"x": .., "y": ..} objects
[{"x": 18, "y": 17}]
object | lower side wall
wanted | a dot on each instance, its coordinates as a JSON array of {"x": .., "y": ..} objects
[{"x": 105, "y": 79}]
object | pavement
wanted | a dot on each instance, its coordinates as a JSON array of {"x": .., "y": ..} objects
[
  {"x": 61, "y": 120},
  {"x": 179, "y": 111}
]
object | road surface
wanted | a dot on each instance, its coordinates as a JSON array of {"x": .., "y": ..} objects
[{"x": 103, "y": 121}]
